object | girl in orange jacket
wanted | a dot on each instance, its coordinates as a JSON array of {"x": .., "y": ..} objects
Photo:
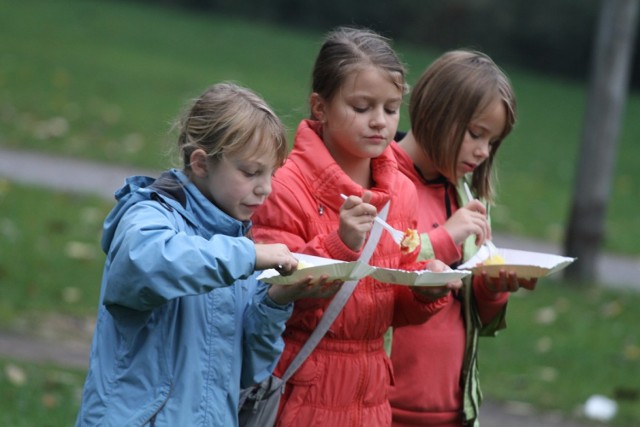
[{"x": 358, "y": 85}]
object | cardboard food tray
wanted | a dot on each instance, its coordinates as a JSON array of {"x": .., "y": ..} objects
[
  {"x": 417, "y": 278},
  {"x": 336, "y": 270},
  {"x": 525, "y": 264}
]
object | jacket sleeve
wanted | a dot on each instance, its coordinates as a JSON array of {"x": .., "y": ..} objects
[
  {"x": 491, "y": 308},
  {"x": 151, "y": 262},
  {"x": 438, "y": 243},
  {"x": 264, "y": 323},
  {"x": 411, "y": 309}
]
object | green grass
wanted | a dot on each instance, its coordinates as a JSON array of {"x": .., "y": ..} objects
[
  {"x": 563, "y": 345},
  {"x": 118, "y": 74},
  {"x": 103, "y": 80},
  {"x": 51, "y": 258},
  {"x": 38, "y": 395}
]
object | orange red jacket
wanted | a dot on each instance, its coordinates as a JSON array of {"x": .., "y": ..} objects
[{"x": 345, "y": 381}]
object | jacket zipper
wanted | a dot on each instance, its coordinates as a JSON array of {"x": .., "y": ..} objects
[{"x": 152, "y": 420}]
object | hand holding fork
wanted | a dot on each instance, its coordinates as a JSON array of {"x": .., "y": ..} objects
[
  {"x": 487, "y": 243},
  {"x": 396, "y": 234}
]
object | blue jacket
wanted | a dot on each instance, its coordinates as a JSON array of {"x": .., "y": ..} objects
[{"x": 182, "y": 323}]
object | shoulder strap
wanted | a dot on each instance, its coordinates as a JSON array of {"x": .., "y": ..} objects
[{"x": 338, "y": 302}]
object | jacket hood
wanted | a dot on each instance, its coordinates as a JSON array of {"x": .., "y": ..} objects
[{"x": 175, "y": 192}]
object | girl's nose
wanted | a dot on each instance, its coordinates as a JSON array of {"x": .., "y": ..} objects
[
  {"x": 483, "y": 149},
  {"x": 378, "y": 119},
  {"x": 264, "y": 187}
]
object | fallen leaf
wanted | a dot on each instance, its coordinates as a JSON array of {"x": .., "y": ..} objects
[
  {"x": 546, "y": 316},
  {"x": 80, "y": 250},
  {"x": 15, "y": 374}
]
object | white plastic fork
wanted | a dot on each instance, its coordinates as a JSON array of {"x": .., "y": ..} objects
[
  {"x": 488, "y": 243},
  {"x": 396, "y": 234}
]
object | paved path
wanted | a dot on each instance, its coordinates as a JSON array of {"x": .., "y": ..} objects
[{"x": 96, "y": 178}]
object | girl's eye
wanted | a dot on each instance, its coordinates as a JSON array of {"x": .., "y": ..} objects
[
  {"x": 473, "y": 134},
  {"x": 359, "y": 109},
  {"x": 391, "y": 110},
  {"x": 249, "y": 174}
]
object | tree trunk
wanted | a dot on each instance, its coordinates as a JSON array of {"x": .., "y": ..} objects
[{"x": 608, "y": 87}]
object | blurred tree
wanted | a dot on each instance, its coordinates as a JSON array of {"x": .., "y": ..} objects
[{"x": 608, "y": 88}]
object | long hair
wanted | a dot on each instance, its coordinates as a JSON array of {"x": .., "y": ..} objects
[{"x": 447, "y": 97}]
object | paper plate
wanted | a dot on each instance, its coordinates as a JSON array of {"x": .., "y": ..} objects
[
  {"x": 417, "y": 278},
  {"x": 526, "y": 264},
  {"x": 335, "y": 269}
]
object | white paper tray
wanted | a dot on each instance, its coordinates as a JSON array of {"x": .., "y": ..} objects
[
  {"x": 525, "y": 264},
  {"x": 336, "y": 270},
  {"x": 356, "y": 270},
  {"x": 417, "y": 278}
]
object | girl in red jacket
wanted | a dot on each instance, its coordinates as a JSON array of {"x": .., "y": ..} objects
[
  {"x": 358, "y": 85},
  {"x": 461, "y": 110}
]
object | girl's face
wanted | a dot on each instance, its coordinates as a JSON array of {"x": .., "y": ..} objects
[
  {"x": 238, "y": 184},
  {"x": 483, "y": 131},
  {"x": 361, "y": 119}
]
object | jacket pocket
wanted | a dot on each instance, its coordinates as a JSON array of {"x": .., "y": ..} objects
[
  {"x": 151, "y": 416},
  {"x": 392, "y": 378},
  {"x": 299, "y": 391}
]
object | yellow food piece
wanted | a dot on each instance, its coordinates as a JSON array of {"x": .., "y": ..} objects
[
  {"x": 304, "y": 264},
  {"x": 494, "y": 260},
  {"x": 410, "y": 241}
]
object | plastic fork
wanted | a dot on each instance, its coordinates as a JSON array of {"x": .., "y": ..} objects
[
  {"x": 396, "y": 234},
  {"x": 488, "y": 243}
]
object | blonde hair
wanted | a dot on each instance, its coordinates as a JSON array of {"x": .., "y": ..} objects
[
  {"x": 449, "y": 94},
  {"x": 346, "y": 50},
  {"x": 228, "y": 119}
]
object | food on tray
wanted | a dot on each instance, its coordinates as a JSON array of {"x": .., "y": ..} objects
[
  {"x": 304, "y": 264},
  {"x": 494, "y": 260},
  {"x": 410, "y": 241},
  {"x": 526, "y": 264}
]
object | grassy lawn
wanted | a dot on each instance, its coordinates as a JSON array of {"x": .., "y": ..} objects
[
  {"x": 38, "y": 395},
  {"x": 104, "y": 80},
  {"x": 51, "y": 259},
  {"x": 562, "y": 345}
]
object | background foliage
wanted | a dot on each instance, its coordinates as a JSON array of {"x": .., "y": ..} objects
[
  {"x": 551, "y": 36},
  {"x": 103, "y": 80},
  {"x": 107, "y": 82}
]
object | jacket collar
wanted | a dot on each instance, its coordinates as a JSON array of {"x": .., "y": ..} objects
[
  {"x": 326, "y": 179},
  {"x": 196, "y": 208}
]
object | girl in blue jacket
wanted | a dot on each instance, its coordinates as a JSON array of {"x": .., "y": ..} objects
[{"x": 183, "y": 323}]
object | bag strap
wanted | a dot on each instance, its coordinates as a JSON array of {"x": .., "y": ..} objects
[{"x": 338, "y": 302}]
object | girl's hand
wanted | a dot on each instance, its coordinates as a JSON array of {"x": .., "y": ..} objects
[
  {"x": 436, "y": 292},
  {"x": 507, "y": 282},
  {"x": 305, "y": 288},
  {"x": 356, "y": 220},
  {"x": 275, "y": 255},
  {"x": 469, "y": 219}
]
